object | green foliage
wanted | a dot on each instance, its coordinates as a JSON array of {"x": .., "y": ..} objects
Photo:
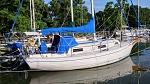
[
  {"x": 144, "y": 16},
  {"x": 9, "y": 8},
  {"x": 57, "y": 13},
  {"x": 111, "y": 16},
  {"x": 61, "y": 12}
]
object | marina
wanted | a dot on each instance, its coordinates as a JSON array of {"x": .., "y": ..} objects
[
  {"x": 120, "y": 72},
  {"x": 61, "y": 42}
]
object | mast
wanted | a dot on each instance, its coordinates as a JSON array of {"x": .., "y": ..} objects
[
  {"x": 92, "y": 10},
  {"x": 138, "y": 15},
  {"x": 121, "y": 16},
  {"x": 33, "y": 16},
  {"x": 31, "y": 13},
  {"x": 121, "y": 26},
  {"x": 72, "y": 18}
]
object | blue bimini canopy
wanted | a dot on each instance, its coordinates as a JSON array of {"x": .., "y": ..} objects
[
  {"x": 88, "y": 28},
  {"x": 66, "y": 42}
]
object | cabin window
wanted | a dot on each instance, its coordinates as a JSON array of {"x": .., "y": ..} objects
[
  {"x": 78, "y": 50},
  {"x": 116, "y": 42},
  {"x": 102, "y": 46}
]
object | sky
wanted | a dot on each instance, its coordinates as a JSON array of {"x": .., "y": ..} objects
[{"x": 100, "y": 4}]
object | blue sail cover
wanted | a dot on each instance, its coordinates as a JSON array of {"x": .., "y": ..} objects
[
  {"x": 66, "y": 42},
  {"x": 88, "y": 28}
]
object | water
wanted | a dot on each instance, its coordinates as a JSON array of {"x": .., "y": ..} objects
[{"x": 117, "y": 73}]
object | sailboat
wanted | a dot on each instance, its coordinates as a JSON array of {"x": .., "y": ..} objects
[
  {"x": 98, "y": 74},
  {"x": 139, "y": 31},
  {"x": 66, "y": 53},
  {"x": 118, "y": 71}
]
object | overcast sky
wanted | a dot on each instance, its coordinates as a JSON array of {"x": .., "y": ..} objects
[{"x": 100, "y": 4}]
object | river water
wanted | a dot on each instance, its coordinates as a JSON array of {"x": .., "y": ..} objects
[{"x": 118, "y": 73}]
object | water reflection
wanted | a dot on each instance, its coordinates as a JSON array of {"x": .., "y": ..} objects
[
  {"x": 14, "y": 78},
  {"x": 117, "y": 73},
  {"x": 99, "y": 74}
]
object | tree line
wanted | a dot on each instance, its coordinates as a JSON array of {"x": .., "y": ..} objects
[{"x": 57, "y": 13}]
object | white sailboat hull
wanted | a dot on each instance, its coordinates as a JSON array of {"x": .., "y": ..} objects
[
  {"x": 92, "y": 75},
  {"x": 82, "y": 61}
]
